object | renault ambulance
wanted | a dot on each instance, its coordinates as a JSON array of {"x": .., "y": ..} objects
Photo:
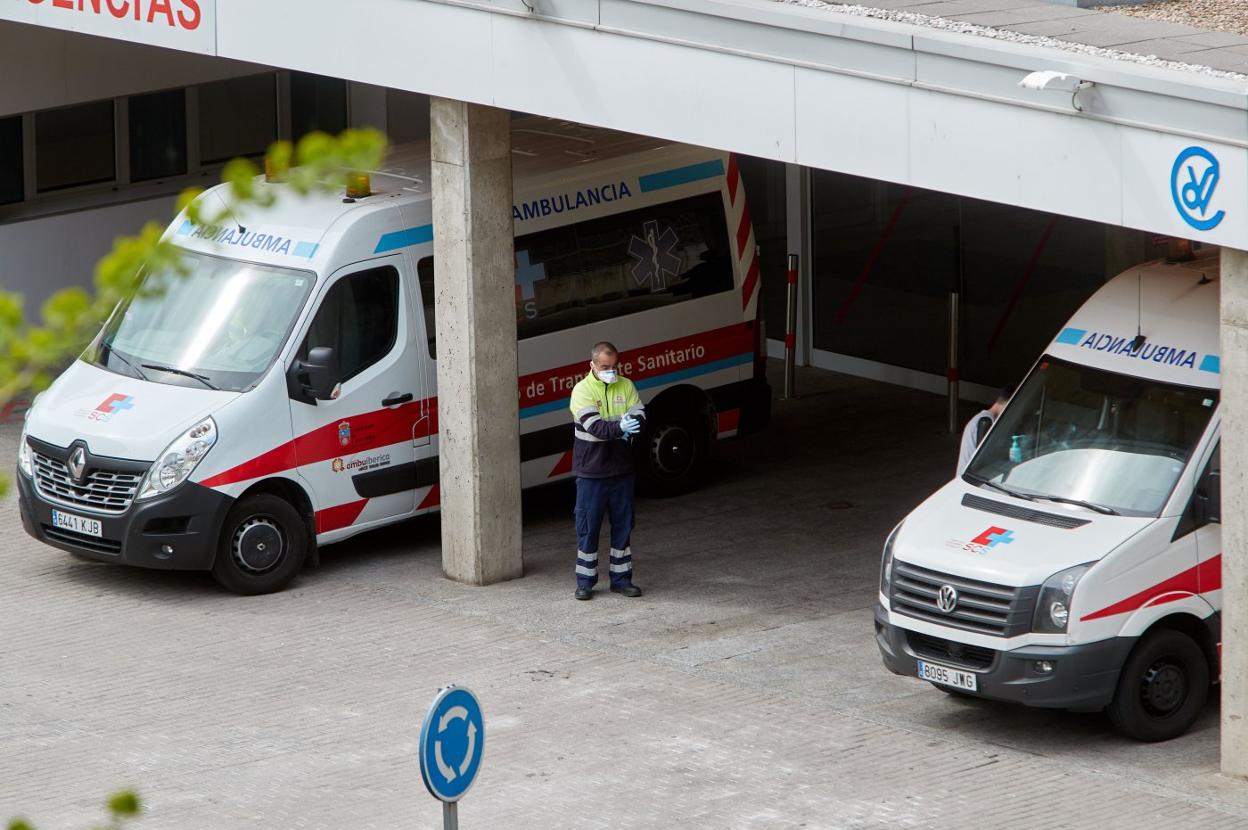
[
  {"x": 280, "y": 394},
  {"x": 1076, "y": 563}
]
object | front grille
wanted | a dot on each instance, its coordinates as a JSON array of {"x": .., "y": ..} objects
[
  {"x": 81, "y": 540},
  {"x": 104, "y": 491},
  {"x": 985, "y": 608},
  {"x": 947, "y": 651}
]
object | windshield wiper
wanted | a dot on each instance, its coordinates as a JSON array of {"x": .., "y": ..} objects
[
  {"x": 182, "y": 372},
  {"x": 1099, "y": 508},
  {"x": 1006, "y": 490},
  {"x": 117, "y": 355}
]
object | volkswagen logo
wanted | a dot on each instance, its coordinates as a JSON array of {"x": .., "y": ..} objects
[
  {"x": 947, "y": 599},
  {"x": 78, "y": 464}
]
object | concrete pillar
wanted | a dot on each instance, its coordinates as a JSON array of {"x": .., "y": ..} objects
[
  {"x": 1234, "y": 313},
  {"x": 475, "y": 310}
]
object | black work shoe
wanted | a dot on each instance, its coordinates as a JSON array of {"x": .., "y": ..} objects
[
  {"x": 584, "y": 593},
  {"x": 628, "y": 589}
]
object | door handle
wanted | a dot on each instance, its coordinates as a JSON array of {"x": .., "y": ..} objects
[{"x": 395, "y": 399}]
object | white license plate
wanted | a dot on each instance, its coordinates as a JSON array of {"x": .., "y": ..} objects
[
  {"x": 946, "y": 676},
  {"x": 78, "y": 524}
]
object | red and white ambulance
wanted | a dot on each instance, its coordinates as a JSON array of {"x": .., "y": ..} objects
[
  {"x": 1077, "y": 562},
  {"x": 281, "y": 394}
]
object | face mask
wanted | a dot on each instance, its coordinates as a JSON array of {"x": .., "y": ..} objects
[{"x": 606, "y": 375}]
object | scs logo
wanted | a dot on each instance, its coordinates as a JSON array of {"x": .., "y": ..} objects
[
  {"x": 111, "y": 406},
  {"x": 994, "y": 536},
  {"x": 985, "y": 541}
]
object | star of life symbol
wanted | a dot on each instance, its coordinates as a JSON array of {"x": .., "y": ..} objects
[{"x": 655, "y": 261}]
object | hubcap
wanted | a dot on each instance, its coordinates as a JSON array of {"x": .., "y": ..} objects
[
  {"x": 671, "y": 450},
  {"x": 258, "y": 545},
  {"x": 1163, "y": 687}
]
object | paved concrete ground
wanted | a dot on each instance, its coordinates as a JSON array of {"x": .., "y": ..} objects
[{"x": 743, "y": 691}]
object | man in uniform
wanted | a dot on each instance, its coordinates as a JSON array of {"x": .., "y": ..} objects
[
  {"x": 607, "y": 415},
  {"x": 977, "y": 428}
]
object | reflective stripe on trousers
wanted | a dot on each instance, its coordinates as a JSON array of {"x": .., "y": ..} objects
[{"x": 598, "y": 499}]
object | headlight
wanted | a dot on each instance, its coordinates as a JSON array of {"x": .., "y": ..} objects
[
  {"x": 886, "y": 562},
  {"x": 179, "y": 459},
  {"x": 1053, "y": 605},
  {"x": 23, "y": 455}
]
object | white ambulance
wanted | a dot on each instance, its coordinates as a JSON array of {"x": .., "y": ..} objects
[
  {"x": 282, "y": 393},
  {"x": 1077, "y": 562}
]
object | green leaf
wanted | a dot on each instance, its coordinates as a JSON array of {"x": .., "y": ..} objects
[{"x": 125, "y": 803}]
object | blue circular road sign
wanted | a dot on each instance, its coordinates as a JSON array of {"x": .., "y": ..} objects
[{"x": 452, "y": 740}]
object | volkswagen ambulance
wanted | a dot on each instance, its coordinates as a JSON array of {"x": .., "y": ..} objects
[
  {"x": 280, "y": 394},
  {"x": 1076, "y": 563}
]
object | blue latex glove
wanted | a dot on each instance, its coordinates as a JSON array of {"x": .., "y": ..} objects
[{"x": 630, "y": 425}]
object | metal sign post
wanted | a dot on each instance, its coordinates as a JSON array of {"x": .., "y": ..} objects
[
  {"x": 790, "y": 330},
  {"x": 452, "y": 741}
]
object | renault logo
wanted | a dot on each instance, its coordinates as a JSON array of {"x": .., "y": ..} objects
[
  {"x": 947, "y": 599},
  {"x": 78, "y": 464}
]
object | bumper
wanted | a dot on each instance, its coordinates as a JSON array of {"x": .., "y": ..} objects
[
  {"x": 1083, "y": 676},
  {"x": 187, "y": 520}
]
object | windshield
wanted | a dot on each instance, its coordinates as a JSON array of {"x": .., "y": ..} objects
[
  {"x": 1117, "y": 443},
  {"x": 218, "y": 326}
]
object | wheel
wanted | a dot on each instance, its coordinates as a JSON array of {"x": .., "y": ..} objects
[
  {"x": 263, "y": 545},
  {"x": 673, "y": 454},
  {"x": 1162, "y": 688}
]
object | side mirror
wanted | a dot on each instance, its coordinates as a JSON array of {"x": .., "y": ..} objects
[
  {"x": 1209, "y": 498},
  {"x": 313, "y": 378}
]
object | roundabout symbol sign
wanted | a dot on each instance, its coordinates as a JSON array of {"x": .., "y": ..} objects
[{"x": 452, "y": 740}]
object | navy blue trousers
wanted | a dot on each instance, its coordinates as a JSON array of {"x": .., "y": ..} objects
[{"x": 596, "y": 499}]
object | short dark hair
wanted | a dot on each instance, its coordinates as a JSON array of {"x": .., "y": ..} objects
[
  {"x": 1006, "y": 392},
  {"x": 603, "y": 347}
]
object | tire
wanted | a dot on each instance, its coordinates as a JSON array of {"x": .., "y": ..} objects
[
  {"x": 673, "y": 454},
  {"x": 1162, "y": 687},
  {"x": 246, "y": 563}
]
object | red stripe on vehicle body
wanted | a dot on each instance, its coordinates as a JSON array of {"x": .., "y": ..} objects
[
  {"x": 339, "y": 516},
  {"x": 729, "y": 420},
  {"x": 384, "y": 427},
  {"x": 432, "y": 499},
  {"x": 743, "y": 230},
  {"x": 734, "y": 177},
  {"x": 1203, "y": 578},
  {"x": 563, "y": 466},
  {"x": 369, "y": 431}
]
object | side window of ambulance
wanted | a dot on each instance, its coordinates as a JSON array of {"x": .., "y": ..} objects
[
  {"x": 359, "y": 319},
  {"x": 622, "y": 264},
  {"x": 1211, "y": 482},
  {"x": 424, "y": 271}
]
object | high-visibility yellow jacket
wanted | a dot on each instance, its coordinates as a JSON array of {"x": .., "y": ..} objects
[{"x": 600, "y": 448}]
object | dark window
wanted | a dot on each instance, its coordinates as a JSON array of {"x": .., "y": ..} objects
[
  {"x": 237, "y": 118},
  {"x": 75, "y": 146},
  {"x": 424, "y": 270},
  {"x": 622, "y": 264},
  {"x": 10, "y": 160},
  {"x": 617, "y": 265},
  {"x": 359, "y": 319},
  {"x": 157, "y": 135},
  {"x": 317, "y": 103}
]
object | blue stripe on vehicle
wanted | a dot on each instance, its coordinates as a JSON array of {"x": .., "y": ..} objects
[
  {"x": 187, "y": 227},
  {"x": 306, "y": 249},
  {"x": 1211, "y": 363},
  {"x": 1071, "y": 336},
  {"x": 401, "y": 239},
  {"x": 682, "y": 175},
  {"x": 658, "y": 380}
]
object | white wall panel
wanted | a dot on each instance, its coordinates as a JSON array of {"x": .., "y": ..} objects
[
  {"x": 1036, "y": 159},
  {"x": 853, "y": 125},
  {"x": 58, "y": 68},
  {"x": 423, "y": 47},
  {"x": 666, "y": 90}
]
